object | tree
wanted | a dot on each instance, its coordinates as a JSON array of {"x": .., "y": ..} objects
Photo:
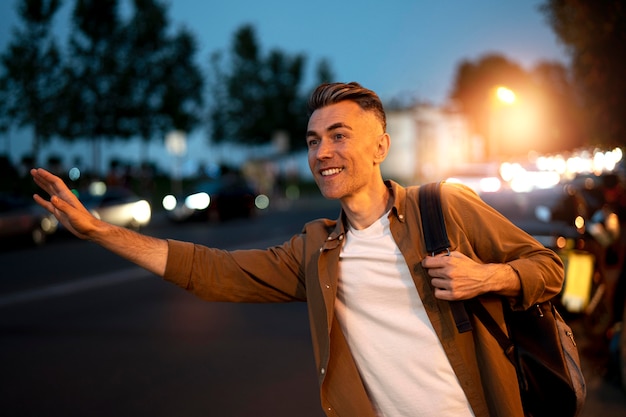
[
  {"x": 5, "y": 112},
  {"x": 324, "y": 72},
  {"x": 182, "y": 103},
  {"x": 163, "y": 82},
  {"x": 562, "y": 117},
  {"x": 594, "y": 31},
  {"x": 256, "y": 97},
  {"x": 31, "y": 72},
  {"x": 474, "y": 84},
  {"x": 95, "y": 87},
  {"x": 282, "y": 104},
  {"x": 545, "y": 117},
  {"x": 474, "y": 87},
  {"x": 145, "y": 40}
]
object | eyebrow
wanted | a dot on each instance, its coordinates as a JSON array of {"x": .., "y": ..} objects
[{"x": 334, "y": 126}]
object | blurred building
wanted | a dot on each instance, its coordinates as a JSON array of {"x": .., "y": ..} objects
[{"x": 428, "y": 142}]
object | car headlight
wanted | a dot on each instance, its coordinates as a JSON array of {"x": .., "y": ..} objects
[
  {"x": 169, "y": 202},
  {"x": 141, "y": 211},
  {"x": 198, "y": 201}
]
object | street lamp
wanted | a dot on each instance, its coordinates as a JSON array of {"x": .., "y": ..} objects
[
  {"x": 506, "y": 95},
  {"x": 501, "y": 97}
]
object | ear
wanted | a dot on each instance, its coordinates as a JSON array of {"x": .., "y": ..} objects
[{"x": 382, "y": 148}]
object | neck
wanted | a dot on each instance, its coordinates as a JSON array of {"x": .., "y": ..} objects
[{"x": 363, "y": 210}]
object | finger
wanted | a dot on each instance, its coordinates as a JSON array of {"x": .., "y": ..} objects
[
  {"x": 440, "y": 283},
  {"x": 42, "y": 180},
  {"x": 443, "y": 294},
  {"x": 43, "y": 186},
  {"x": 43, "y": 203},
  {"x": 436, "y": 261},
  {"x": 60, "y": 204}
]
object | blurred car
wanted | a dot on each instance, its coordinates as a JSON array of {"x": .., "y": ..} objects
[
  {"x": 116, "y": 205},
  {"x": 561, "y": 219},
  {"x": 479, "y": 177},
  {"x": 20, "y": 218},
  {"x": 546, "y": 214},
  {"x": 221, "y": 199}
]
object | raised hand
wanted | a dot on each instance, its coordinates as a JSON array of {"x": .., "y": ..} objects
[{"x": 63, "y": 204}]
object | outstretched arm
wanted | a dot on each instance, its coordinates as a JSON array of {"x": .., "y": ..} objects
[{"x": 147, "y": 252}]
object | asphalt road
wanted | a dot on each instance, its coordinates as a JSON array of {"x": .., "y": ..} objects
[{"x": 83, "y": 332}]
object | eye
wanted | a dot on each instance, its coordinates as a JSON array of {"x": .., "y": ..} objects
[
  {"x": 339, "y": 136},
  {"x": 312, "y": 142}
]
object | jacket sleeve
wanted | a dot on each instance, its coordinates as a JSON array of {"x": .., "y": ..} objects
[
  {"x": 268, "y": 275},
  {"x": 479, "y": 231}
]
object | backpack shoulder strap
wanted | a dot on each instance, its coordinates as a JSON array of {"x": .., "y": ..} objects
[
  {"x": 435, "y": 233},
  {"x": 436, "y": 239}
]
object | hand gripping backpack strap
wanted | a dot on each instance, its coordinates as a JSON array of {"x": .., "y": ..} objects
[
  {"x": 436, "y": 239},
  {"x": 540, "y": 344}
]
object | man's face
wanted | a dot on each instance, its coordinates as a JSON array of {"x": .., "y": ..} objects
[{"x": 345, "y": 149}]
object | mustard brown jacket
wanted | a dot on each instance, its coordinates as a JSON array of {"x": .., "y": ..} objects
[{"x": 306, "y": 268}]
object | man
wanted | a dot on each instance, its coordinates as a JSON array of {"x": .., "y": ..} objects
[{"x": 384, "y": 338}]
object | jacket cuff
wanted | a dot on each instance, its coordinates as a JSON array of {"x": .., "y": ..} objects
[{"x": 179, "y": 263}]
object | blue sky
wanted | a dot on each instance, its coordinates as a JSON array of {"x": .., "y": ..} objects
[
  {"x": 392, "y": 46},
  {"x": 395, "y": 47}
]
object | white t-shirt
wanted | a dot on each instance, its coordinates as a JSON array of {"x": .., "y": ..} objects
[{"x": 401, "y": 360}]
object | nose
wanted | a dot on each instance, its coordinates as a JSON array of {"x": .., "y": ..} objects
[{"x": 323, "y": 150}]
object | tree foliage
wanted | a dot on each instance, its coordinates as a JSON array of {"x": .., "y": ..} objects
[
  {"x": 546, "y": 116},
  {"x": 475, "y": 82},
  {"x": 93, "y": 84},
  {"x": 163, "y": 83},
  {"x": 594, "y": 31},
  {"x": 182, "y": 101},
  {"x": 128, "y": 75},
  {"x": 129, "y": 78},
  {"x": 257, "y": 97},
  {"x": 31, "y": 72},
  {"x": 95, "y": 92}
]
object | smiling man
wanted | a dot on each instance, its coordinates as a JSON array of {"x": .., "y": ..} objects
[
  {"x": 383, "y": 334},
  {"x": 346, "y": 147}
]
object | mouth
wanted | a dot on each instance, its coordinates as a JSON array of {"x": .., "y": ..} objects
[{"x": 330, "y": 171}]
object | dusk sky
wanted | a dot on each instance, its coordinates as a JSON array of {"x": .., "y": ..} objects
[{"x": 396, "y": 47}]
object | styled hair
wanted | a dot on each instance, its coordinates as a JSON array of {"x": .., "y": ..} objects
[{"x": 332, "y": 93}]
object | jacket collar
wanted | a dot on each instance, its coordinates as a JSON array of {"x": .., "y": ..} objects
[
  {"x": 398, "y": 192},
  {"x": 399, "y": 199}
]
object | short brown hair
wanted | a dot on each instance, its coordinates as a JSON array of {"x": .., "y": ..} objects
[{"x": 332, "y": 93}]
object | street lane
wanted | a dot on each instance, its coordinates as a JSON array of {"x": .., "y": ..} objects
[{"x": 83, "y": 332}]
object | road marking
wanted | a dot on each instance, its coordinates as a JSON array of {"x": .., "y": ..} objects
[
  {"x": 72, "y": 287},
  {"x": 96, "y": 281}
]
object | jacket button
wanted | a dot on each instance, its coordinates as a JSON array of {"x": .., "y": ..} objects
[{"x": 322, "y": 371}]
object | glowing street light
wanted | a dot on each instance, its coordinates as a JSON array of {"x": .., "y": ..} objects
[
  {"x": 506, "y": 95},
  {"x": 503, "y": 99}
]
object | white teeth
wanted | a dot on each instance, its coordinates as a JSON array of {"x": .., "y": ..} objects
[{"x": 331, "y": 171}]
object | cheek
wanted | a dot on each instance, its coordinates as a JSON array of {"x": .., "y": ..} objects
[{"x": 311, "y": 159}]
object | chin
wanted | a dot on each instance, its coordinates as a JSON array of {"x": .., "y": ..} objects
[{"x": 329, "y": 193}]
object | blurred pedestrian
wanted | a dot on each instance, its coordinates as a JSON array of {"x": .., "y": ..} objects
[{"x": 383, "y": 334}]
